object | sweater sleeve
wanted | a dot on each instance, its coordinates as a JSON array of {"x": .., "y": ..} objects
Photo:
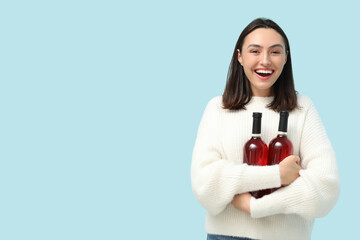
[
  {"x": 215, "y": 180},
  {"x": 316, "y": 191}
]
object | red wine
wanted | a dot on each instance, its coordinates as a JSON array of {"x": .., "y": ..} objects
[
  {"x": 280, "y": 147},
  {"x": 256, "y": 150}
]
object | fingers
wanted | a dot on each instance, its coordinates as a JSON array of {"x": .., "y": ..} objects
[
  {"x": 297, "y": 159},
  {"x": 291, "y": 159},
  {"x": 242, "y": 202},
  {"x": 289, "y": 169}
]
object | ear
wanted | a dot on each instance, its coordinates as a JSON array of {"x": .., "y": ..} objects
[
  {"x": 286, "y": 56},
  {"x": 240, "y": 60}
]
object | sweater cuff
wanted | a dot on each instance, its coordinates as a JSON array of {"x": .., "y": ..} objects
[
  {"x": 268, "y": 205},
  {"x": 261, "y": 208},
  {"x": 261, "y": 177}
]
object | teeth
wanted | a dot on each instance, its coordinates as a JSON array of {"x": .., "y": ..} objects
[{"x": 264, "y": 71}]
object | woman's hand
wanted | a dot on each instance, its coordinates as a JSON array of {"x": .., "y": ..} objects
[
  {"x": 242, "y": 202},
  {"x": 289, "y": 169}
]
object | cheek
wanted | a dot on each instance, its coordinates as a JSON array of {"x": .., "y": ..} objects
[
  {"x": 280, "y": 63},
  {"x": 248, "y": 59},
  {"x": 248, "y": 71},
  {"x": 282, "y": 66}
]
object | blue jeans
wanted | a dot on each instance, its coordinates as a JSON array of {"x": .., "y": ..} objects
[{"x": 221, "y": 237}]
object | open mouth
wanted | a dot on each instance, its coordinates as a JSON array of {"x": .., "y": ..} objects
[{"x": 264, "y": 73}]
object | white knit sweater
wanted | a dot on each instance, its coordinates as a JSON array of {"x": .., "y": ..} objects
[{"x": 218, "y": 172}]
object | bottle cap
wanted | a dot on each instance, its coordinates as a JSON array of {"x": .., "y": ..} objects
[
  {"x": 256, "y": 123},
  {"x": 284, "y": 113},
  {"x": 283, "y": 123},
  {"x": 257, "y": 114}
]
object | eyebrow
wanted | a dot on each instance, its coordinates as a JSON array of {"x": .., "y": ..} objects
[{"x": 258, "y": 46}]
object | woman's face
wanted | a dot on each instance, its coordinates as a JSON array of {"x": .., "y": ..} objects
[{"x": 263, "y": 57}]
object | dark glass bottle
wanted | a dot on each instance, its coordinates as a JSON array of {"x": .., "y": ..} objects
[
  {"x": 280, "y": 147},
  {"x": 256, "y": 150}
]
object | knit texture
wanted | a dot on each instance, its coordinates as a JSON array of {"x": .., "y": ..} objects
[{"x": 218, "y": 172}]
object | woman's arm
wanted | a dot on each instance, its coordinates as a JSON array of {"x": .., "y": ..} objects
[
  {"x": 289, "y": 172},
  {"x": 316, "y": 191},
  {"x": 216, "y": 180}
]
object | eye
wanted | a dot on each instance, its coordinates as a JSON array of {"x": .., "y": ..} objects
[
  {"x": 254, "y": 51},
  {"x": 275, "y": 52}
]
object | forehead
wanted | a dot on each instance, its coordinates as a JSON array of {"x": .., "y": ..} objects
[{"x": 264, "y": 37}]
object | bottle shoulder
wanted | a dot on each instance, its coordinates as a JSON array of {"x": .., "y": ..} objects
[
  {"x": 255, "y": 142},
  {"x": 280, "y": 140}
]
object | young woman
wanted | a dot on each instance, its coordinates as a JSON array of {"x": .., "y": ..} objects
[{"x": 260, "y": 80}]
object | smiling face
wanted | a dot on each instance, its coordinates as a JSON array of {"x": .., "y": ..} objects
[{"x": 263, "y": 56}]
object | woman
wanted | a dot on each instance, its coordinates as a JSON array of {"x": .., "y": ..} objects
[{"x": 260, "y": 80}]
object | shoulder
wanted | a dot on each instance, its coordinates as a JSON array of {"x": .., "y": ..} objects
[
  {"x": 306, "y": 107},
  {"x": 214, "y": 107},
  {"x": 304, "y": 102},
  {"x": 215, "y": 103}
]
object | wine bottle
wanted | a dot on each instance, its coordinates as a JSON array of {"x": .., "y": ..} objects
[
  {"x": 256, "y": 150},
  {"x": 280, "y": 147}
]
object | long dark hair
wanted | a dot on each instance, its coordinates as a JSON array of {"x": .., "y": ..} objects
[{"x": 238, "y": 92}]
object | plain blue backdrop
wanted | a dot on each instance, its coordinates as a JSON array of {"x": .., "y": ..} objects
[{"x": 100, "y": 103}]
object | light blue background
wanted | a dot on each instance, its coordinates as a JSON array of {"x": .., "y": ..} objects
[{"x": 100, "y": 103}]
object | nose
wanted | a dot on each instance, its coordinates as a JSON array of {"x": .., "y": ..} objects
[{"x": 266, "y": 60}]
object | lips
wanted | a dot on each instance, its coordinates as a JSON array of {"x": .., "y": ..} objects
[{"x": 264, "y": 74}]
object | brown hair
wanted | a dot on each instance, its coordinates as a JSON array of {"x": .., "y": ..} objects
[{"x": 238, "y": 92}]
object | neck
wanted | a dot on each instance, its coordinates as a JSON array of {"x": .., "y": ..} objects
[{"x": 262, "y": 93}]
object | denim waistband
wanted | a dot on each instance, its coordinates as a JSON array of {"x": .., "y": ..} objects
[{"x": 221, "y": 237}]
